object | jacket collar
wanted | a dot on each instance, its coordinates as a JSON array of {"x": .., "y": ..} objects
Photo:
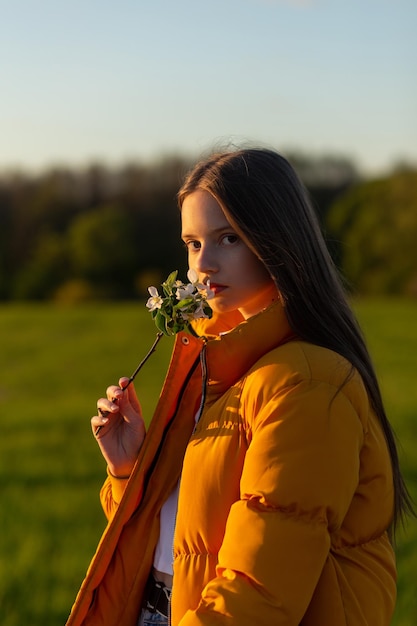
[{"x": 230, "y": 354}]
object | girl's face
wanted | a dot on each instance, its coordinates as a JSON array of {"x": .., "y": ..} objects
[{"x": 237, "y": 277}]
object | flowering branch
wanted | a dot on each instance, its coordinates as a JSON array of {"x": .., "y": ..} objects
[
  {"x": 179, "y": 303},
  {"x": 173, "y": 311}
]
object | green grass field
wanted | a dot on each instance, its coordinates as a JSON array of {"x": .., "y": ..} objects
[{"x": 54, "y": 364}]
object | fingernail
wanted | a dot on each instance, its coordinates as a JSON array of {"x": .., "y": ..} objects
[{"x": 104, "y": 420}]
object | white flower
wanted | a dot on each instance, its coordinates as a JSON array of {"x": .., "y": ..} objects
[
  {"x": 186, "y": 315},
  {"x": 192, "y": 276},
  {"x": 155, "y": 301},
  {"x": 199, "y": 312},
  {"x": 185, "y": 291},
  {"x": 208, "y": 293},
  {"x": 203, "y": 289}
]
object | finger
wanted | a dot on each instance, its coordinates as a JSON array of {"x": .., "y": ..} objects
[
  {"x": 114, "y": 393},
  {"x": 98, "y": 422},
  {"x": 124, "y": 382},
  {"x": 105, "y": 406},
  {"x": 130, "y": 394}
]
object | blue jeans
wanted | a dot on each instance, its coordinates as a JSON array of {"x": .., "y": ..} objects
[{"x": 151, "y": 619}]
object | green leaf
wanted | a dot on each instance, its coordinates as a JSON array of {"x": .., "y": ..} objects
[
  {"x": 186, "y": 302},
  {"x": 208, "y": 310},
  {"x": 177, "y": 328},
  {"x": 171, "y": 279},
  {"x": 161, "y": 323}
]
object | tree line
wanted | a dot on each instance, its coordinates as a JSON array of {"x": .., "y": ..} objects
[{"x": 101, "y": 232}]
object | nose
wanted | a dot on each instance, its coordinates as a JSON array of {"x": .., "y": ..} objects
[{"x": 206, "y": 262}]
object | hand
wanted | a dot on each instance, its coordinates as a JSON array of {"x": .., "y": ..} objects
[{"x": 119, "y": 427}]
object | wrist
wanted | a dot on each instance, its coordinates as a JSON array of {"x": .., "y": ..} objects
[
  {"x": 118, "y": 485},
  {"x": 126, "y": 477},
  {"x": 118, "y": 474}
]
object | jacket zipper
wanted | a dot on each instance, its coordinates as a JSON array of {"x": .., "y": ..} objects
[{"x": 203, "y": 362}]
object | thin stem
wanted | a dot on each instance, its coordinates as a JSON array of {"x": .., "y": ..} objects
[
  {"x": 142, "y": 363},
  {"x": 152, "y": 349}
]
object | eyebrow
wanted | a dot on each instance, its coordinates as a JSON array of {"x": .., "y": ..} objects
[{"x": 215, "y": 231}]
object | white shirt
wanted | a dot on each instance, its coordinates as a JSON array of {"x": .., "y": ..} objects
[{"x": 164, "y": 557}]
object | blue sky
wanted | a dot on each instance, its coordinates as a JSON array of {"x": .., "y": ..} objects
[{"x": 86, "y": 80}]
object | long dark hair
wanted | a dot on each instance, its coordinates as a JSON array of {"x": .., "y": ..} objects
[{"x": 263, "y": 198}]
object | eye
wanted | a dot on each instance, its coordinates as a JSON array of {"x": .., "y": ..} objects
[
  {"x": 229, "y": 240},
  {"x": 192, "y": 245}
]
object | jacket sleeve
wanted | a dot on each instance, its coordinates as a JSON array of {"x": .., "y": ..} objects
[
  {"x": 300, "y": 473},
  {"x": 111, "y": 493}
]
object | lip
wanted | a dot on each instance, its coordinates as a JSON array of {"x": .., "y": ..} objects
[{"x": 216, "y": 288}]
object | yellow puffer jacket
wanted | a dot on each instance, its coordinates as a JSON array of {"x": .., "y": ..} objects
[{"x": 286, "y": 491}]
